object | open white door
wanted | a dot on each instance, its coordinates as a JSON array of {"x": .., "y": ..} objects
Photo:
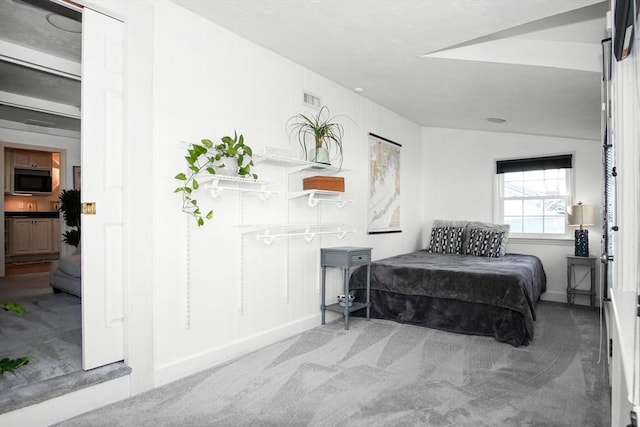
[{"x": 102, "y": 184}]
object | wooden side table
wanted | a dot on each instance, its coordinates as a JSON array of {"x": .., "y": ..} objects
[
  {"x": 572, "y": 282},
  {"x": 345, "y": 257}
]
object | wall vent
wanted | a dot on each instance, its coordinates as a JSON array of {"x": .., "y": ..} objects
[
  {"x": 311, "y": 100},
  {"x": 38, "y": 123}
]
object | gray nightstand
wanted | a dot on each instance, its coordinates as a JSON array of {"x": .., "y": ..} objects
[
  {"x": 572, "y": 282},
  {"x": 345, "y": 257}
]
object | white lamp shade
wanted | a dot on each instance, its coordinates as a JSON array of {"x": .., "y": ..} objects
[{"x": 580, "y": 215}]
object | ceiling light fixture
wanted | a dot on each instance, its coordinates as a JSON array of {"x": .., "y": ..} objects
[
  {"x": 358, "y": 89},
  {"x": 63, "y": 23},
  {"x": 496, "y": 120}
]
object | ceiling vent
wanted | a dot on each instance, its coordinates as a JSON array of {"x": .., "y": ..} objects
[
  {"x": 39, "y": 123},
  {"x": 311, "y": 100}
]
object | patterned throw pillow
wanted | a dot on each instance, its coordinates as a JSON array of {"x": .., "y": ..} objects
[
  {"x": 446, "y": 240},
  {"x": 484, "y": 242}
]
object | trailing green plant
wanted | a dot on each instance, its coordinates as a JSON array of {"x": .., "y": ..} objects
[
  {"x": 320, "y": 131},
  {"x": 7, "y": 364},
  {"x": 208, "y": 158},
  {"x": 71, "y": 209}
]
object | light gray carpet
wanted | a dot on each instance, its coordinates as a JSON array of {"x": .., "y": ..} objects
[
  {"x": 51, "y": 332},
  {"x": 381, "y": 373}
]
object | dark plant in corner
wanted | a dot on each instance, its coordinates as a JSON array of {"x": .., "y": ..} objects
[
  {"x": 208, "y": 158},
  {"x": 321, "y": 131},
  {"x": 71, "y": 208},
  {"x": 6, "y": 364}
]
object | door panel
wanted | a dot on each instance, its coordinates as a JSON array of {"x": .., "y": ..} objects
[{"x": 102, "y": 183}]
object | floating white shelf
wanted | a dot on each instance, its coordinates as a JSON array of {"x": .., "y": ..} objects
[
  {"x": 316, "y": 196},
  {"x": 247, "y": 185},
  {"x": 268, "y": 233},
  {"x": 293, "y": 165}
]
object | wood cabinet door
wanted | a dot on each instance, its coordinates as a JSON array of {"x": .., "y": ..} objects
[
  {"x": 21, "y": 159},
  {"x": 41, "y": 236},
  {"x": 41, "y": 159},
  {"x": 21, "y": 231}
]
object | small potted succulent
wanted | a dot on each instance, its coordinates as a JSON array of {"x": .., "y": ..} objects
[{"x": 230, "y": 157}]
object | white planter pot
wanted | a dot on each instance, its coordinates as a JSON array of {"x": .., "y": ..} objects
[{"x": 228, "y": 166}]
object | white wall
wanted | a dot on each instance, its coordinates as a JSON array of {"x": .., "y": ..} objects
[
  {"x": 217, "y": 292},
  {"x": 459, "y": 172}
]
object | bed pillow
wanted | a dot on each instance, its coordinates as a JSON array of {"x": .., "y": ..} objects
[
  {"x": 498, "y": 228},
  {"x": 483, "y": 242},
  {"x": 446, "y": 240}
]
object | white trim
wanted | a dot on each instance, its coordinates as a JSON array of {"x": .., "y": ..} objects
[
  {"x": 38, "y": 104},
  {"x": 37, "y": 60},
  {"x": 199, "y": 362},
  {"x": 7, "y": 124},
  {"x": 68, "y": 405},
  {"x": 546, "y": 240}
]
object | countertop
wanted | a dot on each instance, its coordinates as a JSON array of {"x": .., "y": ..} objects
[{"x": 29, "y": 214}]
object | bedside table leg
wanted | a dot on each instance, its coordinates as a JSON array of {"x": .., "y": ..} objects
[
  {"x": 368, "y": 291},
  {"x": 322, "y": 302},
  {"x": 346, "y": 295}
]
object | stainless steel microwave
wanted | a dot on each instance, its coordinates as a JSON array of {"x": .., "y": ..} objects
[{"x": 31, "y": 181}]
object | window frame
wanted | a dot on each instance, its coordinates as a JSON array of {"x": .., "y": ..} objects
[{"x": 499, "y": 205}]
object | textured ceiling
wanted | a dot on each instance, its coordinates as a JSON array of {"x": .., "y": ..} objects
[
  {"x": 442, "y": 63},
  {"x": 45, "y": 95}
]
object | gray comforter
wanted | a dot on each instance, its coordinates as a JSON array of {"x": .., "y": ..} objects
[{"x": 512, "y": 283}]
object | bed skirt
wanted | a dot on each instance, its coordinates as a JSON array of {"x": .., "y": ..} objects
[{"x": 450, "y": 315}]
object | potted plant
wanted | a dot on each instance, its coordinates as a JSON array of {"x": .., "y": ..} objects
[
  {"x": 71, "y": 208},
  {"x": 231, "y": 157},
  {"x": 319, "y": 135}
]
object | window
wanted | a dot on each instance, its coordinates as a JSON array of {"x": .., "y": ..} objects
[{"x": 534, "y": 195}]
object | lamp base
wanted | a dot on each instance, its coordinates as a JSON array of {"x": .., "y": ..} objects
[{"x": 582, "y": 242}]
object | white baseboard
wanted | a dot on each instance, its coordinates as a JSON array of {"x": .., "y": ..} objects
[
  {"x": 69, "y": 405},
  {"x": 554, "y": 296},
  {"x": 194, "y": 364}
]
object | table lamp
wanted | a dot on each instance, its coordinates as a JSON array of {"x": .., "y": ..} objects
[{"x": 580, "y": 216}]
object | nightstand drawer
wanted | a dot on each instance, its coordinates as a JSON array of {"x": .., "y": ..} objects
[{"x": 358, "y": 259}]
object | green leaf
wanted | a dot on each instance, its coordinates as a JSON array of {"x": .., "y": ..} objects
[
  {"x": 211, "y": 170},
  {"x": 248, "y": 151},
  {"x": 12, "y": 306},
  {"x": 195, "y": 184},
  {"x": 188, "y": 190},
  {"x": 210, "y": 214},
  {"x": 207, "y": 143},
  {"x": 179, "y": 190},
  {"x": 9, "y": 365},
  {"x": 194, "y": 169},
  {"x": 181, "y": 176},
  {"x": 200, "y": 222}
]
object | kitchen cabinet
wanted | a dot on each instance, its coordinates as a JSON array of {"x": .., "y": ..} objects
[
  {"x": 27, "y": 159},
  {"x": 31, "y": 236},
  {"x": 7, "y": 171},
  {"x": 56, "y": 235}
]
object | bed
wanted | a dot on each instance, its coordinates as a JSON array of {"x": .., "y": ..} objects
[{"x": 493, "y": 294}]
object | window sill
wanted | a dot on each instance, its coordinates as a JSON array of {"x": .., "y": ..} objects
[{"x": 558, "y": 241}]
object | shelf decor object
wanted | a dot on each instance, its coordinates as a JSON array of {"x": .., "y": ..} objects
[
  {"x": 330, "y": 183},
  {"x": 206, "y": 160},
  {"x": 581, "y": 216},
  {"x": 320, "y": 135}
]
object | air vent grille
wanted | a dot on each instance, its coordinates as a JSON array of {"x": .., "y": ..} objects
[
  {"x": 39, "y": 123},
  {"x": 311, "y": 100}
]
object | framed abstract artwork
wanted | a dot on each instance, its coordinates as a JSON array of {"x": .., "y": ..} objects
[{"x": 384, "y": 185}]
